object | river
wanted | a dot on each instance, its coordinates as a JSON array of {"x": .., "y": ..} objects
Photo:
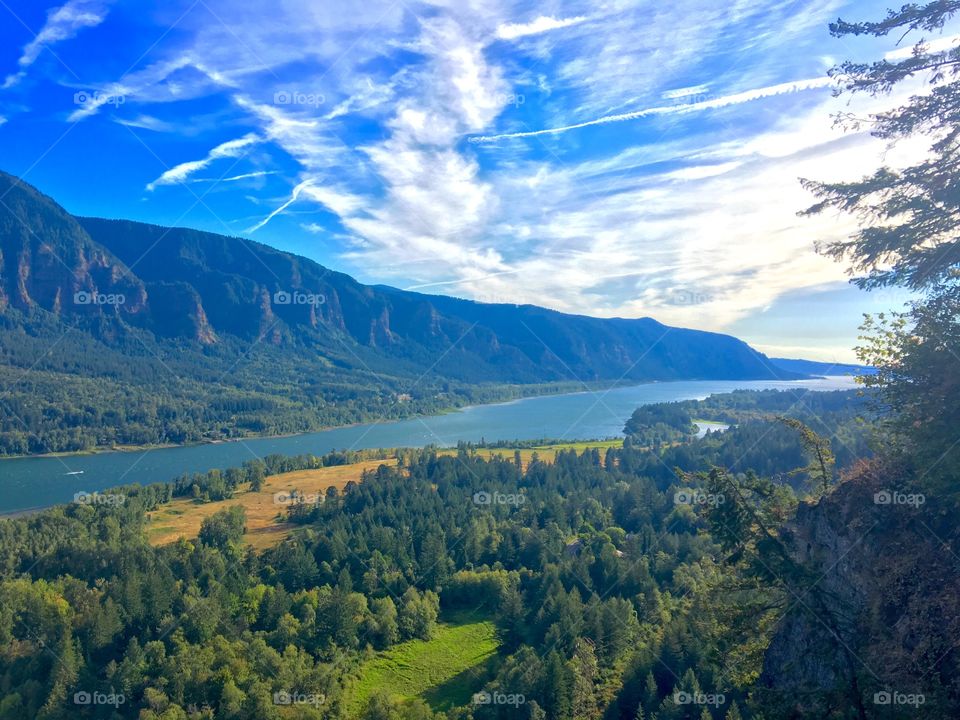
[{"x": 27, "y": 483}]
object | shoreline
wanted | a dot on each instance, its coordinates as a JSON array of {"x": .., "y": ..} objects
[
  {"x": 101, "y": 450},
  {"x": 597, "y": 385},
  {"x": 112, "y": 466}
]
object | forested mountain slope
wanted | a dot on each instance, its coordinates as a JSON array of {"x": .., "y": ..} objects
[{"x": 120, "y": 332}]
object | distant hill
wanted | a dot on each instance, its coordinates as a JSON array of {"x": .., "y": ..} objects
[
  {"x": 812, "y": 367},
  {"x": 195, "y": 335}
]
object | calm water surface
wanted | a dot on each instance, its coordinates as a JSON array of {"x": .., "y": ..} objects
[{"x": 37, "y": 482}]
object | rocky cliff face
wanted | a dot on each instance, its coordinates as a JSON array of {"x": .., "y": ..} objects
[
  {"x": 888, "y": 563},
  {"x": 47, "y": 260},
  {"x": 110, "y": 276}
]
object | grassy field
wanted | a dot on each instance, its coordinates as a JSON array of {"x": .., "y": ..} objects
[
  {"x": 182, "y": 516},
  {"x": 546, "y": 453},
  {"x": 444, "y": 671}
]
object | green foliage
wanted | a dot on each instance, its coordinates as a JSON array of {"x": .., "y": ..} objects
[
  {"x": 99, "y": 392},
  {"x": 907, "y": 237},
  {"x": 224, "y": 529},
  {"x": 822, "y": 459},
  {"x": 446, "y": 668},
  {"x": 660, "y": 423},
  {"x": 757, "y": 441},
  {"x": 596, "y": 596}
]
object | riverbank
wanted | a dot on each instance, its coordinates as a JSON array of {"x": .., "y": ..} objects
[
  {"x": 34, "y": 481},
  {"x": 536, "y": 391}
]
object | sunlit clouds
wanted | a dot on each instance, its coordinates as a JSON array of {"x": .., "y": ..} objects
[{"x": 617, "y": 159}]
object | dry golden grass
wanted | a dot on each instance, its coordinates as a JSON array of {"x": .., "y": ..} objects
[{"x": 182, "y": 517}]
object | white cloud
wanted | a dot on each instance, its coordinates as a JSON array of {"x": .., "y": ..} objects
[
  {"x": 932, "y": 46},
  {"x": 294, "y": 195},
  {"x": 436, "y": 206},
  {"x": 62, "y": 23},
  {"x": 701, "y": 246},
  {"x": 147, "y": 122},
  {"x": 695, "y": 226},
  {"x": 234, "y": 178},
  {"x": 685, "y": 92},
  {"x": 152, "y": 83},
  {"x": 425, "y": 198},
  {"x": 299, "y": 134},
  {"x": 230, "y": 149},
  {"x": 336, "y": 201},
  {"x": 366, "y": 95},
  {"x": 544, "y": 23},
  {"x": 711, "y": 104}
]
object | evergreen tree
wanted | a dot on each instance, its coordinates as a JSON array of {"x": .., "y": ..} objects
[
  {"x": 908, "y": 234},
  {"x": 557, "y": 692},
  {"x": 584, "y": 669}
]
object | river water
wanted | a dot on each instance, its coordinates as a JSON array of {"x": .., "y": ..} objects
[{"x": 42, "y": 481}]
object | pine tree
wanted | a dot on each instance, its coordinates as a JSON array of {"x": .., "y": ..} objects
[
  {"x": 907, "y": 234},
  {"x": 584, "y": 669},
  {"x": 558, "y": 688},
  {"x": 651, "y": 693}
]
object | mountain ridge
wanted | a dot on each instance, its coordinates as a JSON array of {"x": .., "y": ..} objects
[
  {"x": 183, "y": 283},
  {"x": 133, "y": 333}
]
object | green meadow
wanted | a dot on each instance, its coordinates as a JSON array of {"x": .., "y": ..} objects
[{"x": 444, "y": 671}]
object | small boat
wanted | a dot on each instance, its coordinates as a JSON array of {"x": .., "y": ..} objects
[{"x": 75, "y": 472}]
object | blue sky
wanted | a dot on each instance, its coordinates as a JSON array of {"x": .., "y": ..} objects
[{"x": 614, "y": 158}]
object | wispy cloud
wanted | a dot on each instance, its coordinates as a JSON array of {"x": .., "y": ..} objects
[
  {"x": 685, "y": 92},
  {"x": 147, "y": 122},
  {"x": 934, "y": 46},
  {"x": 711, "y": 104},
  {"x": 230, "y": 149},
  {"x": 690, "y": 220},
  {"x": 62, "y": 24},
  {"x": 544, "y": 23},
  {"x": 146, "y": 84},
  {"x": 294, "y": 196},
  {"x": 234, "y": 178}
]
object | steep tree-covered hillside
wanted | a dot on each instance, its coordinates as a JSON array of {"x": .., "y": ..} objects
[{"x": 117, "y": 332}]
